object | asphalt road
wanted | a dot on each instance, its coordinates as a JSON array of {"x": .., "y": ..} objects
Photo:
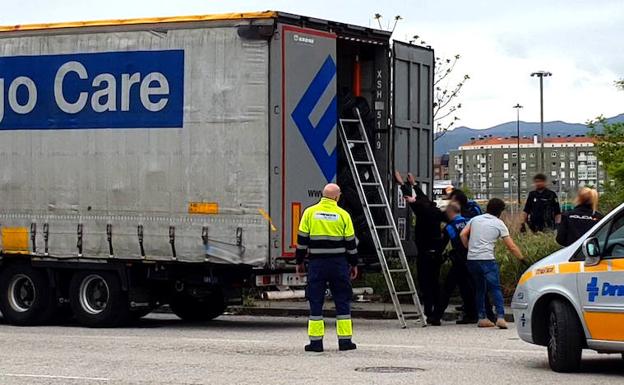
[{"x": 268, "y": 350}]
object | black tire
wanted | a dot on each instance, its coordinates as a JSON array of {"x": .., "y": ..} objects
[
  {"x": 26, "y": 297},
  {"x": 565, "y": 345},
  {"x": 193, "y": 309},
  {"x": 98, "y": 300}
]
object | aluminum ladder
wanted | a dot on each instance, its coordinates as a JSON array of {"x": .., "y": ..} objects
[{"x": 379, "y": 216}]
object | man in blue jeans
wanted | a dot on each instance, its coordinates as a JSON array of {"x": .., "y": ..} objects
[{"x": 480, "y": 236}]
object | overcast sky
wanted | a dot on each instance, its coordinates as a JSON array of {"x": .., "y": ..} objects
[{"x": 501, "y": 43}]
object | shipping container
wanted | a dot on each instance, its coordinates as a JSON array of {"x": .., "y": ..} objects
[{"x": 172, "y": 158}]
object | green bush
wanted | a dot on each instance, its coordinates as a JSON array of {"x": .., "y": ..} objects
[{"x": 534, "y": 247}]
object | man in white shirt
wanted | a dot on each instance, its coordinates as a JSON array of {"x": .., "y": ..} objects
[{"x": 480, "y": 237}]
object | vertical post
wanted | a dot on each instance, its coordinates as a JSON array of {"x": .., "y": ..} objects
[
  {"x": 541, "y": 123},
  {"x": 541, "y": 75},
  {"x": 519, "y": 158}
]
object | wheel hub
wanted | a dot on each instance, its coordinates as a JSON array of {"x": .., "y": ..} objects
[
  {"x": 94, "y": 294},
  {"x": 21, "y": 293}
]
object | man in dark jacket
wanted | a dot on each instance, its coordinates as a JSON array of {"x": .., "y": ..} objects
[
  {"x": 541, "y": 211},
  {"x": 428, "y": 239},
  {"x": 578, "y": 221}
]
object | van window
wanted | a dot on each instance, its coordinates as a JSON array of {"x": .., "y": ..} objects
[
  {"x": 614, "y": 246},
  {"x": 600, "y": 234}
]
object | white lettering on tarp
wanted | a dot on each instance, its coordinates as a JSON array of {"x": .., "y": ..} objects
[
  {"x": 59, "y": 97},
  {"x": 109, "y": 92},
  {"x": 161, "y": 89},
  {"x": 32, "y": 95},
  {"x": 127, "y": 81},
  {"x": 105, "y": 99}
]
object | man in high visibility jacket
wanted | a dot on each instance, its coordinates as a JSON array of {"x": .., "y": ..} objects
[{"x": 327, "y": 238}]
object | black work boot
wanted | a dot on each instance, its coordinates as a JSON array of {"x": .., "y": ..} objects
[
  {"x": 345, "y": 344},
  {"x": 314, "y": 346}
]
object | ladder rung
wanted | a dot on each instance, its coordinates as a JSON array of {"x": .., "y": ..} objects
[
  {"x": 370, "y": 184},
  {"x": 384, "y": 227},
  {"x": 376, "y": 205},
  {"x": 355, "y": 141},
  {"x": 397, "y": 270},
  {"x": 349, "y": 121},
  {"x": 405, "y": 292},
  {"x": 363, "y": 162},
  {"x": 391, "y": 248}
]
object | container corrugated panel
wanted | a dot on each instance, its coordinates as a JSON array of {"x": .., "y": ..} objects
[{"x": 68, "y": 172}]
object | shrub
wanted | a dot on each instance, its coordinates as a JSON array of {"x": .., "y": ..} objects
[{"x": 534, "y": 247}]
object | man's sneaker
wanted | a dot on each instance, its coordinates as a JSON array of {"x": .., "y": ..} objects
[
  {"x": 314, "y": 346},
  {"x": 344, "y": 345},
  {"x": 485, "y": 323},
  {"x": 501, "y": 323}
]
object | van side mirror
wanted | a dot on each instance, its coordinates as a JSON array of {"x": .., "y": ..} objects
[{"x": 591, "y": 251}]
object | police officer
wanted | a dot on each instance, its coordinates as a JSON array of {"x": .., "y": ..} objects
[
  {"x": 541, "y": 211},
  {"x": 578, "y": 221},
  {"x": 327, "y": 238},
  {"x": 458, "y": 275}
]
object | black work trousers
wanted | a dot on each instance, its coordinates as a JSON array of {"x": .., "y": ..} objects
[
  {"x": 428, "y": 264},
  {"x": 458, "y": 276}
]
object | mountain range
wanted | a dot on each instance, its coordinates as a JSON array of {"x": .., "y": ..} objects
[{"x": 460, "y": 135}]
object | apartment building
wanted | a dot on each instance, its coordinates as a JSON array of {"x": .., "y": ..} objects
[{"x": 498, "y": 166}]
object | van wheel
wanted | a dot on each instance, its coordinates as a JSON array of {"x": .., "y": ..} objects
[
  {"x": 98, "y": 300},
  {"x": 565, "y": 345},
  {"x": 197, "y": 309},
  {"x": 26, "y": 297}
]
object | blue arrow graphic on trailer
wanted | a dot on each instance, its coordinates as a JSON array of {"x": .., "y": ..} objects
[{"x": 316, "y": 136}]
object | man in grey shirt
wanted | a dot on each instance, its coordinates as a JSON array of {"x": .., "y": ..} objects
[{"x": 480, "y": 237}]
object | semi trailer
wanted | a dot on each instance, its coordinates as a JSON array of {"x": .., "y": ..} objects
[{"x": 168, "y": 160}]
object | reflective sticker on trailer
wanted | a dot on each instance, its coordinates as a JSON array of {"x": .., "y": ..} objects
[{"x": 206, "y": 208}]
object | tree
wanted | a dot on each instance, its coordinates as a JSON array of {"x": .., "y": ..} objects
[
  {"x": 446, "y": 92},
  {"x": 609, "y": 142},
  {"x": 447, "y": 88}
]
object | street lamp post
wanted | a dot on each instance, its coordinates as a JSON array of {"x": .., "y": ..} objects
[
  {"x": 518, "y": 107},
  {"x": 541, "y": 75}
]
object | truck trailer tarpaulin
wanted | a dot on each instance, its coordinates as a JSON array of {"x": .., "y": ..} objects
[{"x": 220, "y": 125}]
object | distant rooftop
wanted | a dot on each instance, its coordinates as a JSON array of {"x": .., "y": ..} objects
[{"x": 558, "y": 141}]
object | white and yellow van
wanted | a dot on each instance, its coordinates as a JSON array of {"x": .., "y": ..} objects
[{"x": 574, "y": 298}]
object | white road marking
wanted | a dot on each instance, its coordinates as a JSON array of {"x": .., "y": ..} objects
[{"x": 101, "y": 379}]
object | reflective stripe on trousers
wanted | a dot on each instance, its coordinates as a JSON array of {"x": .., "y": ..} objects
[
  {"x": 316, "y": 328},
  {"x": 344, "y": 327}
]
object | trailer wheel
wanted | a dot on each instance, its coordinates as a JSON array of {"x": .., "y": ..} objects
[
  {"x": 197, "y": 309},
  {"x": 98, "y": 300},
  {"x": 26, "y": 297},
  {"x": 565, "y": 345}
]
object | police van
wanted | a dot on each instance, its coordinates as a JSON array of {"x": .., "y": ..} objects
[{"x": 574, "y": 299}]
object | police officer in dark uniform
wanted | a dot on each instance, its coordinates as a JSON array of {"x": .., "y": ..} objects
[
  {"x": 578, "y": 221},
  {"x": 458, "y": 275},
  {"x": 542, "y": 210},
  {"x": 326, "y": 236}
]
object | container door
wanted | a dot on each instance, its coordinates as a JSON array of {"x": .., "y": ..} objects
[
  {"x": 303, "y": 150},
  {"x": 412, "y": 125}
]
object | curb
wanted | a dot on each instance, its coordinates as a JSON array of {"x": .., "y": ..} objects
[{"x": 330, "y": 313}]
